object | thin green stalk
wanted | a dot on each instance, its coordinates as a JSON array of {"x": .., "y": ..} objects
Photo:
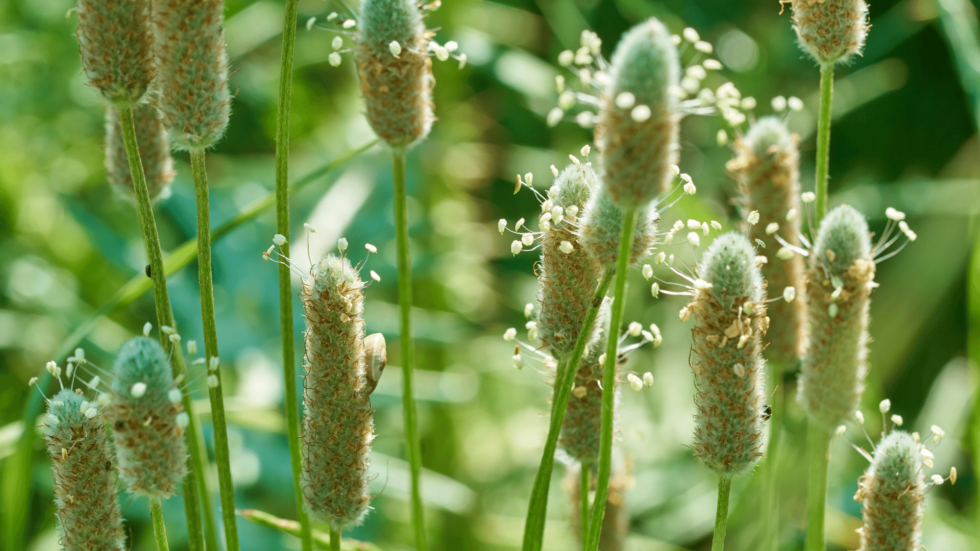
[
  {"x": 771, "y": 495},
  {"x": 225, "y": 488},
  {"x": 721, "y": 514},
  {"x": 159, "y": 528},
  {"x": 585, "y": 469},
  {"x": 291, "y": 527},
  {"x": 285, "y": 279},
  {"x": 195, "y": 485},
  {"x": 407, "y": 347},
  {"x": 334, "y": 540},
  {"x": 823, "y": 138},
  {"x": 609, "y": 380},
  {"x": 538, "y": 507},
  {"x": 818, "y": 444}
]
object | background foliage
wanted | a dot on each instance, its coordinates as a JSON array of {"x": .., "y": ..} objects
[{"x": 904, "y": 136}]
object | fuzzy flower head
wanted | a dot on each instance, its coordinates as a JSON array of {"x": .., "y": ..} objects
[
  {"x": 831, "y": 31},
  {"x": 602, "y": 228},
  {"x": 115, "y": 41},
  {"x": 891, "y": 493}
]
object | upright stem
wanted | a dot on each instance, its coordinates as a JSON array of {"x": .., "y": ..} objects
[
  {"x": 194, "y": 487},
  {"x": 584, "y": 486},
  {"x": 335, "y": 540},
  {"x": 285, "y": 280},
  {"x": 721, "y": 514},
  {"x": 225, "y": 487},
  {"x": 407, "y": 347},
  {"x": 538, "y": 508},
  {"x": 823, "y": 138},
  {"x": 771, "y": 495},
  {"x": 609, "y": 380},
  {"x": 159, "y": 528},
  {"x": 818, "y": 444}
]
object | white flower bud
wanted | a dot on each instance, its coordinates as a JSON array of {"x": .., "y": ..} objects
[{"x": 510, "y": 334}]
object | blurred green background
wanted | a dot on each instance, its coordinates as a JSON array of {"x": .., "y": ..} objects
[{"x": 904, "y": 135}]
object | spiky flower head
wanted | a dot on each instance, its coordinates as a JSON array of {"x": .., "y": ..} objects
[
  {"x": 730, "y": 323},
  {"x": 831, "y": 31},
  {"x": 766, "y": 168},
  {"x": 115, "y": 41},
  {"x": 154, "y": 150},
  {"x": 567, "y": 279},
  {"x": 639, "y": 142},
  {"x": 891, "y": 493},
  {"x": 338, "y": 426},
  {"x": 602, "y": 226},
  {"x": 397, "y": 89},
  {"x": 193, "y": 79},
  {"x": 85, "y": 475},
  {"x": 147, "y": 424},
  {"x": 839, "y": 284}
]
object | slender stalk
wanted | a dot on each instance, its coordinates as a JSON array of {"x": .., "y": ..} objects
[
  {"x": 721, "y": 514},
  {"x": 291, "y": 527},
  {"x": 771, "y": 495},
  {"x": 285, "y": 280},
  {"x": 194, "y": 486},
  {"x": 818, "y": 444},
  {"x": 159, "y": 528},
  {"x": 335, "y": 540},
  {"x": 538, "y": 507},
  {"x": 609, "y": 380},
  {"x": 823, "y": 138},
  {"x": 225, "y": 487},
  {"x": 583, "y": 488},
  {"x": 407, "y": 347}
]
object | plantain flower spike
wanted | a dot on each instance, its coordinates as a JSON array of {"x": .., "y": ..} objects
[
  {"x": 115, "y": 41},
  {"x": 891, "y": 494},
  {"x": 602, "y": 226},
  {"x": 831, "y": 31}
]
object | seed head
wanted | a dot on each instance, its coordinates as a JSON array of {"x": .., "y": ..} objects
[
  {"x": 730, "y": 322},
  {"x": 85, "y": 476},
  {"x": 891, "y": 493},
  {"x": 831, "y": 31},
  {"x": 602, "y": 226},
  {"x": 149, "y": 444},
  {"x": 115, "y": 41},
  {"x": 397, "y": 89},
  {"x": 839, "y": 284}
]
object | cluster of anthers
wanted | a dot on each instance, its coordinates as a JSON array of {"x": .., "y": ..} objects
[
  {"x": 781, "y": 106},
  {"x": 274, "y": 254},
  {"x": 552, "y": 213},
  {"x": 933, "y": 439},
  {"x": 592, "y": 72},
  {"x": 637, "y": 381},
  {"x": 345, "y": 27}
]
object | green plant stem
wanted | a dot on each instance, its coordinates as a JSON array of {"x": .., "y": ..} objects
[
  {"x": 721, "y": 514},
  {"x": 407, "y": 347},
  {"x": 585, "y": 469},
  {"x": 159, "y": 528},
  {"x": 335, "y": 540},
  {"x": 291, "y": 527},
  {"x": 818, "y": 447},
  {"x": 609, "y": 380},
  {"x": 771, "y": 495},
  {"x": 285, "y": 277},
  {"x": 225, "y": 487},
  {"x": 538, "y": 507},
  {"x": 195, "y": 485},
  {"x": 823, "y": 138}
]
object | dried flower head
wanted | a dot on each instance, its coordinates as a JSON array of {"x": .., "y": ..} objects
[{"x": 116, "y": 44}]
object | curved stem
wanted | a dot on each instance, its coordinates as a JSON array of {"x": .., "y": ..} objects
[
  {"x": 585, "y": 469},
  {"x": 159, "y": 528},
  {"x": 721, "y": 514},
  {"x": 818, "y": 444},
  {"x": 335, "y": 540},
  {"x": 609, "y": 380},
  {"x": 407, "y": 347},
  {"x": 206, "y": 284},
  {"x": 285, "y": 279},
  {"x": 771, "y": 495},
  {"x": 194, "y": 486},
  {"x": 538, "y": 508},
  {"x": 823, "y": 139}
]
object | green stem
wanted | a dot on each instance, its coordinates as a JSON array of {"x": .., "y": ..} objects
[
  {"x": 194, "y": 486},
  {"x": 721, "y": 514},
  {"x": 538, "y": 508},
  {"x": 285, "y": 279},
  {"x": 335, "y": 540},
  {"x": 159, "y": 528},
  {"x": 407, "y": 347},
  {"x": 771, "y": 495},
  {"x": 585, "y": 469},
  {"x": 609, "y": 379},
  {"x": 823, "y": 138},
  {"x": 227, "y": 492},
  {"x": 291, "y": 527},
  {"x": 818, "y": 444}
]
